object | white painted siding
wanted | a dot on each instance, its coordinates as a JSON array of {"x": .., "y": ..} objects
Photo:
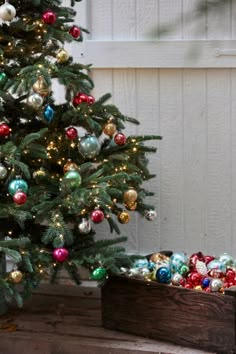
[{"x": 180, "y": 88}]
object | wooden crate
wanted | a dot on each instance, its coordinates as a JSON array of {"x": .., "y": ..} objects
[{"x": 186, "y": 317}]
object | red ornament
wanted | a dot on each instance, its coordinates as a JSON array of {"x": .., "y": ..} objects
[
  {"x": 97, "y": 216},
  {"x": 194, "y": 278},
  {"x": 208, "y": 259},
  {"x": 80, "y": 98},
  {"x": 91, "y": 99},
  {"x": 188, "y": 286},
  {"x": 120, "y": 139},
  {"x": 71, "y": 133},
  {"x": 49, "y": 17},
  {"x": 207, "y": 290},
  {"x": 194, "y": 258},
  {"x": 230, "y": 275},
  {"x": 75, "y": 32},
  {"x": 4, "y": 130},
  {"x": 19, "y": 198},
  {"x": 60, "y": 254}
]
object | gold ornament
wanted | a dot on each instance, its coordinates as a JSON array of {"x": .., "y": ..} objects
[
  {"x": 130, "y": 195},
  {"x": 70, "y": 166},
  {"x": 41, "y": 87},
  {"x": 109, "y": 129},
  {"x": 131, "y": 206},
  {"x": 158, "y": 257},
  {"x": 124, "y": 217},
  {"x": 16, "y": 276},
  {"x": 39, "y": 173},
  {"x": 62, "y": 56}
]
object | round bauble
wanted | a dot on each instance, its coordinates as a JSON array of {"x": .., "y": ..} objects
[
  {"x": 48, "y": 113},
  {"x": 35, "y": 100},
  {"x": 150, "y": 215},
  {"x": 89, "y": 146},
  {"x": 19, "y": 198},
  {"x": 215, "y": 284},
  {"x": 163, "y": 275},
  {"x": 91, "y": 99},
  {"x": 60, "y": 254},
  {"x": 49, "y": 17},
  {"x": 227, "y": 260},
  {"x": 75, "y": 32},
  {"x": 141, "y": 263},
  {"x": 205, "y": 282},
  {"x": 16, "y": 185},
  {"x": 176, "y": 279},
  {"x": 123, "y": 217},
  {"x": 4, "y": 130},
  {"x": 131, "y": 206},
  {"x": 177, "y": 260},
  {"x": 80, "y": 98},
  {"x": 7, "y": 12},
  {"x": 130, "y": 195},
  {"x": 120, "y": 139},
  {"x": 84, "y": 227},
  {"x": 71, "y": 133},
  {"x": 3, "y": 78},
  {"x": 109, "y": 129},
  {"x": 97, "y": 216},
  {"x": 41, "y": 87},
  {"x": 72, "y": 178},
  {"x": 70, "y": 166},
  {"x": 98, "y": 273},
  {"x": 62, "y": 56},
  {"x": 158, "y": 257},
  {"x": 16, "y": 276},
  {"x": 194, "y": 278},
  {"x": 3, "y": 172}
]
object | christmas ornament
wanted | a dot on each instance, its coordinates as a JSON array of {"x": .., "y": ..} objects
[
  {"x": 3, "y": 78},
  {"x": 227, "y": 260},
  {"x": 141, "y": 263},
  {"x": 48, "y": 113},
  {"x": 150, "y": 215},
  {"x": 97, "y": 216},
  {"x": 194, "y": 278},
  {"x": 89, "y": 146},
  {"x": 194, "y": 258},
  {"x": 72, "y": 178},
  {"x": 120, "y": 139},
  {"x": 19, "y": 198},
  {"x": 215, "y": 285},
  {"x": 109, "y": 129},
  {"x": 158, "y": 257},
  {"x": 71, "y": 133},
  {"x": 3, "y": 171},
  {"x": 35, "y": 100},
  {"x": 41, "y": 87},
  {"x": 75, "y": 32},
  {"x": 39, "y": 173},
  {"x": 131, "y": 206},
  {"x": 163, "y": 275},
  {"x": 62, "y": 56},
  {"x": 91, "y": 99},
  {"x": 123, "y": 217},
  {"x": 176, "y": 279},
  {"x": 16, "y": 185},
  {"x": 16, "y": 276},
  {"x": 98, "y": 273},
  {"x": 7, "y": 11},
  {"x": 70, "y": 166},
  {"x": 177, "y": 260},
  {"x": 216, "y": 268},
  {"x": 84, "y": 227},
  {"x": 60, "y": 254},
  {"x": 49, "y": 17},
  {"x": 183, "y": 269},
  {"x": 80, "y": 98},
  {"x": 4, "y": 130},
  {"x": 201, "y": 267},
  {"x": 205, "y": 282},
  {"x": 130, "y": 195}
]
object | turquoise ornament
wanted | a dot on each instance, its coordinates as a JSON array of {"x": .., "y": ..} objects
[
  {"x": 216, "y": 267},
  {"x": 99, "y": 273},
  {"x": 177, "y": 260},
  {"x": 89, "y": 146},
  {"x": 16, "y": 185},
  {"x": 141, "y": 263},
  {"x": 3, "y": 78},
  {"x": 163, "y": 275},
  {"x": 48, "y": 113},
  {"x": 227, "y": 260},
  {"x": 72, "y": 178}
]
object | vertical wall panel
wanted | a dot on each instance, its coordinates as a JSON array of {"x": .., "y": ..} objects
[
  {"x": 194, "y": 26},
  {"x": 219, "y": 21},
  {"x": 146, "y": 18},
  {"x": 100, "y": 19},
  {"x": 124, "y": 19},
  {"x": 171, "y": 19},
  {"x": 233, "y": 161}
]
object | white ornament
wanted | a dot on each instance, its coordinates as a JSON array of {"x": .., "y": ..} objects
[
  {"x": 35, "y": 100},
  {"x": 7, "y": 11},
  {"x": 201, "y": 267},
  {"x": 150, "y": 215},
  {"x": 84, "y": 227}
]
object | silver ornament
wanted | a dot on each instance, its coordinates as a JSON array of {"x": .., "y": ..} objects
[
  {"x": 89, "y": 146},
  {"x": 150, "y": 215},
  {"x": 216, "y": 284},
  {"x": 84, "y": 227},
  {"x": 7, "y": 11},
  {"x": 176, "y": 278},
  {"x": 3, "y": 171},
  {"x": 35, "y": 100},
  {"x": 227, "y": 260}
]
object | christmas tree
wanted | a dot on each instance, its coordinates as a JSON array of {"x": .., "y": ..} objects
[{"x": 63, "y": 167}]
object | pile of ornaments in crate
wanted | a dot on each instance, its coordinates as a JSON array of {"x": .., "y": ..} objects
[{"x": 199, "y": 272}]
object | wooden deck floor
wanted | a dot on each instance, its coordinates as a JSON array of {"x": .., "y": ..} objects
[{"x": 67, "y": 320}]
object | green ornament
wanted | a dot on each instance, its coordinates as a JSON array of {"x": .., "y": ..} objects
[
  {"x": 3, "y": 78},
  {"x": 184, "y": 269},
  {"x": 17, "y": 184},
  {"x": 99, "y": 273},
  {"x": 72, "y": 178}
]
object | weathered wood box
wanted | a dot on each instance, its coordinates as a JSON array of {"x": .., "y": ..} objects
[{"x": 186, "y": 317}]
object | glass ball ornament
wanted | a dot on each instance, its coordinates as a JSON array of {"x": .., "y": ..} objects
[
  {"x": 5, "y": 130},
  {"x": 227, "y": 260},
  {"x": 184, "y": 269},
  {"x": 120, "y": 139},
  {"x": 71, "y": 133},
  {"x": 49, "y": 17},
  {"x": 163, "y": 275},
  {"x": 19, "y": 198},
  {"x": 158, "y": 257},
  {"x": 70, "y": 166},
  {"x": 3, "y": 78},
  {"x": 16, "y": 276},
  {"x": 123, "y": 217},
  {"x": 60, "y": 254},
  {"x": 194, "y": 278},
  {"x": 150, "y": 215},
  {"x": 97, "y": 216},
  {"x": 176, "y": 279},
  {"x": 130, "y": 195},
  {"x": 109, "y": 129},
  {"x": 141, "y": 263},
  {"x": 98, "y": 273},
  {"x": 216, "y": 268},
  {"x": 7, "y": 12},
  {"x": 177, "y": 260},
  {"x": 3, "y": 172},
  {"x": 205, "y": 282},
  {"x": 89, "y": 146},
  {"x": 41, "y": 87},
  {"x": 131, "y": 206},
  {"x": 75, "y": 32},
  {"x": 84, "y": 227},
  {"x": 194, "y": 258},
  {"x": 91, "y": 99},
  {"x": 48, "y": 113},
  {"x": 201, "y": 267},
  {"x": 80, "y": 98},
  {"x": 35, "y": 100},
  {"x": 72, "y": 178},
  {"x": 215, "y": 284},
  {"x": 16, "y": 185},
  {"x": 62, "y": 56}
]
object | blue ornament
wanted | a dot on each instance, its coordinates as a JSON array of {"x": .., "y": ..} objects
[
  {"x": 151, "y": 265},
  {"x": 48, "y": 113},
  {"x": 163, "y": 275},
  {"x": 17, "y": 184},
  {"x": 205, "y": 282},
  {"x": 89, "y": 146},
  {"x": 141, "y": 263}
]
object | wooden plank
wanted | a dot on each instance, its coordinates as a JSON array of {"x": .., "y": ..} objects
[
  {"x": 158, "y": 54},
  {"x": 170, "y": 19},
  {"x": 194, "y": 25},
  {"x": 233, "y": 161},
  {"x": 219, "y": 14},
  {"x": 147, "y": 16},
  {"x": 124, "y": 19}
]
